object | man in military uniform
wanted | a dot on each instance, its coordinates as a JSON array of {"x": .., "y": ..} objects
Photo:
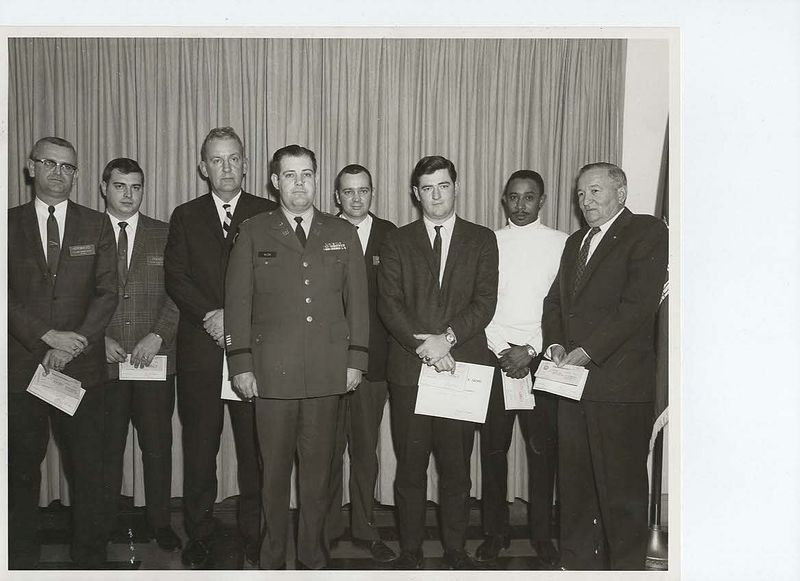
[{"x": 296, "y": 332}]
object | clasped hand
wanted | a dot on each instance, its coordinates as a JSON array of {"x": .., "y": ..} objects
[
  {"x": 214, "y": 324},
  {"x": 435, "y": 351}
]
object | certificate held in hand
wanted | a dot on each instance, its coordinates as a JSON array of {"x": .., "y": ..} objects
[
  {"x": 59, "y": 390},
  {"x": 567, "y": 381},
  {"x": 461, "y": 395}
]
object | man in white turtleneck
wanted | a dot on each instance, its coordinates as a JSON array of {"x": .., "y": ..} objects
[{"x": 529, "y": 258}]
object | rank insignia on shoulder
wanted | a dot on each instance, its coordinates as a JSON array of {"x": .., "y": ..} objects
[
  {"x": 267, "y": 254},
  {"x": 328, "y": 246}
]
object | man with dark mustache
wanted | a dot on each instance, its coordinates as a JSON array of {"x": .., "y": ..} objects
[{"x": 529, "y": 258}]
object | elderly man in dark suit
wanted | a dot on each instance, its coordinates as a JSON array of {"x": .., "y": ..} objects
[
  {"x": 600, "y": 314},
  {"x": 200, "y": 237},
  {"x": 297, "y": 327},
  {"x": 361, "y": 411},
  {"x": 143, "y": 327},
  {"x": 62, "y": 292},
  {"x": 437, "y": 292}
]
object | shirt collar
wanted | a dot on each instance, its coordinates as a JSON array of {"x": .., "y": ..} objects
[
  {"x": 532, "y": 226},
  {"x": 219, "y": 201},
  {"x": 41, "y": 207},
  {"x": 132, "y": 222},
  {"x": 367, "y": 221},
  {"x": 307, "y": 216},
  {"x": 448, "y": 224},
  {"x": 604, "y": 228}
]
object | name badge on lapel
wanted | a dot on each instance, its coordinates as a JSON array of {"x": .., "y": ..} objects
[
  {"x": 155, "y": 260},
  {"x": 82, "y": 250},
  {"x": 328, "y": 246}
]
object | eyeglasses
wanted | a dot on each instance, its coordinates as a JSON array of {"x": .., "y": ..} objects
[
  {"x": 50, "y": 165},
  {"x": 362, "y": 192}
]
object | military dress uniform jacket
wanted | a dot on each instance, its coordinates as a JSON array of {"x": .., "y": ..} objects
[
  {"x": 144, "y": 306},
  {"x": 296, "y": 316},
  {"x": 82, "y": 298}
]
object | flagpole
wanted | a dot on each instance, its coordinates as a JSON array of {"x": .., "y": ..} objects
[{"x": 657, "y": 546}]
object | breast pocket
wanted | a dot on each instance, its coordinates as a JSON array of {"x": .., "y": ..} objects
[
  {"x": 266, "y": 272},
  {"x": 335, "y": 263}
]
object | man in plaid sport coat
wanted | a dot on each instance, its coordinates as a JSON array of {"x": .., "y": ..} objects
[{"x": 143, "y": 326}]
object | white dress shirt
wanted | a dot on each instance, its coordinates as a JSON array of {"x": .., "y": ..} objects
[
  {"x": 130, "y": 230},
  {"x": 529, "y": 260},
  {"x": 218, "y": 202},
  {"x": 446, "y": 232},
  {"x": 307, "y": 216},
  {"x": 42, "y": 214}
]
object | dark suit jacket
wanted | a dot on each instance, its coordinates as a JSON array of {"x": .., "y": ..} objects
[
  {"x": 144, "y": 306},
  {"x": 297, "y": 317},
  {"x": 195, "y": 260},
  {"x": 378, "y": 335},
  {"x": 612, "y": 314},
  {"x": 410, "y": 300},
  {"x": 82, "y": 299}
]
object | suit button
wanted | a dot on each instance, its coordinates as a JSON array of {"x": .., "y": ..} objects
[
  {"x": 571, "y": 315},
  {"x": 126, "y": 296},
  {"x": 127, "y": 322},
  {"x": 309, "y": 318},
  {"x": 259, "y": 339},
  {"x": 307, "y": 282},
  {"x": 305, "y": 264},
  {"x": 308, "y": 300}
]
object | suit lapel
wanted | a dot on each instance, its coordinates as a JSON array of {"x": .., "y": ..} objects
[
  {"x": 424, "y": 245},
  {"x": 279, "y": 229},
  {"x": 456, "y": 245},
  {"x": 137, "y": 256},
  {"x": 241, "y": 213},
  {"x": 72, "y": 224},
  {"x": 212, "y": 219},
  {"x": 31, "y": 229},
  {"x": 608, "y": 242}
]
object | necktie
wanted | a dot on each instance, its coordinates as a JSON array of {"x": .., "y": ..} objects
[
  {"x": 226, "y": 225},
  {"x": 301, "y": 234},
  {"x": 437, "y": 250},
  {"x": 122, "y": 252},
  {"x": 583, "y": 256},
  {"x": 53, "y": 242}
]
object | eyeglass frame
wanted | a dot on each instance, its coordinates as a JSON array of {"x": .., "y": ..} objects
[{"x": 66, "y": 168}]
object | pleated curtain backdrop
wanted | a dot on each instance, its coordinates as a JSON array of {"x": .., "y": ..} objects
[{"x": 490, "y": 105}]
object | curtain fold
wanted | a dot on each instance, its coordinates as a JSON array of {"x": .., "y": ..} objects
[{"x": 492, "y": 106}]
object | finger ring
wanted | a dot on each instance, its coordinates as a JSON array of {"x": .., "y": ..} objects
[{"x": 427, "y": 359}]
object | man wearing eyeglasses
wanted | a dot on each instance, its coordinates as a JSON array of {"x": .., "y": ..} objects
[
  {"x": 361, "y": 411},
  {"x": 437, "y": 292},
  {"x": 62, "y": 292}
]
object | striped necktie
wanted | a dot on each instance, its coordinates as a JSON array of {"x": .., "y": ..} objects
[
  {"x": 226, "y": 225},
  {"x": 583, "y": 258}
]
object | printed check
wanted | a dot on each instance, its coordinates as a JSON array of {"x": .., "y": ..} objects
[
  {"x": 156, "y": 371},
  {"x": 59, "y": 390},
  {"x": 461, "y": 395},
  {"x": 567, "y": 381}
]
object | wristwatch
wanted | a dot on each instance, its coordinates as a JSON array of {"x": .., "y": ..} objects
[
  {"x": 531, "y": 351},
  {"x": 450, "y": 336}
]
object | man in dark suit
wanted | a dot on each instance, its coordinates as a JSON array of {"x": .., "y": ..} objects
[
  {"x": 201, "y": 233},
  {"x": 361, "y": 411},
  {"x": 62, "y": 292},
  {"x": 437, "y": 292},
  {"x": 143, "y": 327},
  {"x": 600, "y": 314},
  {"x": 297, "y": 327}
]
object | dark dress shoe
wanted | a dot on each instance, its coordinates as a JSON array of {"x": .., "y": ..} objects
[
  {"x": 378, "y": 549},
  {"x": 491, "y": 547},
  {"x": 546, "y": 551},
  {"x": 461, "y": 561},
  {"x": 407, "y": 561},
  {"x": 167, "y": 539},
  {"x": 252, "y": 552},
  {"x": 197, "y": 554}
]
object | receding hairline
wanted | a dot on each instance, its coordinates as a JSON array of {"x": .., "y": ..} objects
[{"x": 55, "y": 141}]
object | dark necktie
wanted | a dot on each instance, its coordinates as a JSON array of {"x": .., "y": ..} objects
[
  {"x": 122, "y": 252},
  {"x": 437, "y": 250},
  {"x": 53, "y": 242},
  {"x": 583, "y": 256},
  {"x": 226, "y": 225},
  {"x": 301, "y": 234}
]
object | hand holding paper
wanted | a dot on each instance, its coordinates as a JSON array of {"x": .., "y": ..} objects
[{"x": 567, "y": 381}]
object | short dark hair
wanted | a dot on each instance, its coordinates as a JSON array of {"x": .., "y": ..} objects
[
  {"x": 54, "y": 141},
  {"x": 614, "y": 172},
  {"x": 123, "y": 165},
  {"x": 525, "y": 174},
  {"x": 293, "y": 150},
  {"x": 352, "y": 169},
  {"x": 431, "y": 163},
  {"x": 220, "y": 133}
]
